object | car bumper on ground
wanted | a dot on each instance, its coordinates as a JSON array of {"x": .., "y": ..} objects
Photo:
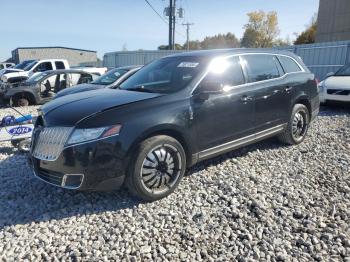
[{"x": 97, "y": 166}]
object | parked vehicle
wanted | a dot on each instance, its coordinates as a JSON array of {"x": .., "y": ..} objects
[
  {"x": 35, "y": 67},
  {"x": 112, "y": 79},
  {"x": 169, "y": 115},
  {"x": 16, "y": 68},
  {"x": 41, "y": 88},
  {"x": 6, "y": 65},
  {"x": 336, "y": 87},
  {"x": 94, "y": 70}
]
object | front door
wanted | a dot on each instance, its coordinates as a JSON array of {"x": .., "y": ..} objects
[{"x": 225, "y": 113}]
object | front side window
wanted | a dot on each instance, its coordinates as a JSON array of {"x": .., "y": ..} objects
[
  {"x": 229, "y": 75},
  {"x": 261, "y": 67},
  {"x": 289, "y": 65},
  {"x": 166, "y": 75},
  {"x": 1, "y": 66},
  {"x": 43, "y": 67},
  {"x": 344, "y": 71},
  {"x": 110, "y": 77}
]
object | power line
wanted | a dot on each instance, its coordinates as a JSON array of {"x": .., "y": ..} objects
[{"x": 161, "y": 17}]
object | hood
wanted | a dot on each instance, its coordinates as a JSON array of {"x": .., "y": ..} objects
[
  {"x": 70, "y": 109},
  {"x": 337, "y": 82},
  {"x": 78, "y": 89},
  {"x": 9, "y": 70}
]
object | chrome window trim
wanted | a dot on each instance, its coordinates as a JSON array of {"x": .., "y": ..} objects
[{"x": 253, "y": 83}]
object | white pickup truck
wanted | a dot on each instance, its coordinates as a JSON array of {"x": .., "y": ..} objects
[{"x": 13, "y": 75}]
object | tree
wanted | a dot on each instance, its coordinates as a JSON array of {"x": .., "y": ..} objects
[
  {"x": 309, "y": 35},
  {"x": 228, "y": 40},
  {"x": 166, "y": 47},
  {"x": 194, "y": 45},
  {"x": 282, "y": 42},
  {"x": 261, "y": 29}
]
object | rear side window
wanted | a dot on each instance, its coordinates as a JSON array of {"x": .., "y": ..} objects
[
  {"x": 261, "y": 67},
  {"x": 59, "y": 65},
  {"x": 1, "y": 66},
  {"x": 289, "y": 65}
]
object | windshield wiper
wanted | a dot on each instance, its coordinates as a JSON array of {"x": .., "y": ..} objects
[{"x": 139, "y": 89}]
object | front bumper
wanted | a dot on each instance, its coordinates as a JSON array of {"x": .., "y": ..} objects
[
  {"x": 98, "y": 165},
  {"x": 341, "y": 95}
]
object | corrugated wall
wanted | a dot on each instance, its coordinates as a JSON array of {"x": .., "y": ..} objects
[
  {"x": 117, "y": 59},
  {"x": 321, "y": 58}
]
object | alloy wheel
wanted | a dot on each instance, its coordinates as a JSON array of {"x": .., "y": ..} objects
[
  {"x": 299, "y": 126},
  {"x": 161, "y": 169}
]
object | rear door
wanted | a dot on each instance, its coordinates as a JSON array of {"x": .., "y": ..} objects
[
  {"x": 224, "y": 116},
  {"x": 265, "y": 74}
]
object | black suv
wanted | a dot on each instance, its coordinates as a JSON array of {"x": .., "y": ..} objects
[{"x": 169, "y": 115}]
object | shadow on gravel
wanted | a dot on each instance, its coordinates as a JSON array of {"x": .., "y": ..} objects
[
  {"x": 25, "y": 199},
  {"x": 335, "y": 109}
]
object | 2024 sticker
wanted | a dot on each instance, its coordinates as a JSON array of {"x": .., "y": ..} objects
[{"x": 19, "y": 130}]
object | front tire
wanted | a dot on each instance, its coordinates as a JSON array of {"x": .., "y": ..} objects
[
  {"x": 156, "y": 168},
  {"x": 298, "y": 126}
]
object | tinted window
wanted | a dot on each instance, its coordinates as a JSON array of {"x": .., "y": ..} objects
[
  {"x": 289, "y": 65},
  {"x": 43, "y": 67},
  {"x": 59, "y": 65},
  {"x": 344, "y": 71},
  {"x": 1, "y": 66},
  {"x": 261, "y": 67},
  {"x": 232, "y": 76},
  {"x": 166, "y": 75}
]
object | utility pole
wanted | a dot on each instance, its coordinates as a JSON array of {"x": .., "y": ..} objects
[
  {"x": 170, "y": 24},
  {"x": 174, "y": 22},
  {"x": 188, "y": 33}
]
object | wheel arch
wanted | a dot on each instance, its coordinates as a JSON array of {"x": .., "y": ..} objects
[
  {"x": 304, "y": 100},
  {"x": 167, "y": 130},
  {"x": 24, "y": 94}
]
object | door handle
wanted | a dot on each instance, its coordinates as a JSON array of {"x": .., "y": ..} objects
[
  {"x": 288, "y": 88},
  {"x": 246, "y": 99}
]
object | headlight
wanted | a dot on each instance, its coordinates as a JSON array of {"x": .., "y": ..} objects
[{"x": 89, "y": 134}]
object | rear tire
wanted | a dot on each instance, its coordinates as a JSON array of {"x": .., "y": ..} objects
[
  {"x": 298, "y": 126},
  {"x": 156, "y": 168}
]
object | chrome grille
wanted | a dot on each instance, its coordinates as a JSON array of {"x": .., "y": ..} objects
[{"x": 50, "y": 142}]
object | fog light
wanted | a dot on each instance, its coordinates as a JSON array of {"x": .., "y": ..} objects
[{"x": 72, "y": 181}]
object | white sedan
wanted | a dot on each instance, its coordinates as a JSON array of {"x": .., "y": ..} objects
[{"x": 336, "y": 87}]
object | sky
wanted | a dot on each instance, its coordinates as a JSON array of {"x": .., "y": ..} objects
[{"x": 108, "y": 25}]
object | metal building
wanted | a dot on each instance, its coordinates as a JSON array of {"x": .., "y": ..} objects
[
  {"x": 126, "y": 58},
  {"x": 333, "y": 22},
  {"x": 74, "y": 56}
]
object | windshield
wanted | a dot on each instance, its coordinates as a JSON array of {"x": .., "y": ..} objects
[
  {"x": 110, "y": 77},
  {"x": 344, "y": 71},
  {"x": 166, "y": 75},
  {"x": 24, "y": 64},
  {"x": 37, "y": 77},
  {"x": 30, "y": 66}
]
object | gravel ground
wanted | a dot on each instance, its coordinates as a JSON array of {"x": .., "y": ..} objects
[{"x": 266, "y": 202}]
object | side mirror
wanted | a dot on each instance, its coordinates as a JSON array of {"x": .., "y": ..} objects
[
  {"x": 330, "y": 74},
  {"x": 206, "y": 89},
  {"x": 210, "y": 88}
]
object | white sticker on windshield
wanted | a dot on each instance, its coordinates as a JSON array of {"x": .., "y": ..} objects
[{"x": 188, "y": 64}]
